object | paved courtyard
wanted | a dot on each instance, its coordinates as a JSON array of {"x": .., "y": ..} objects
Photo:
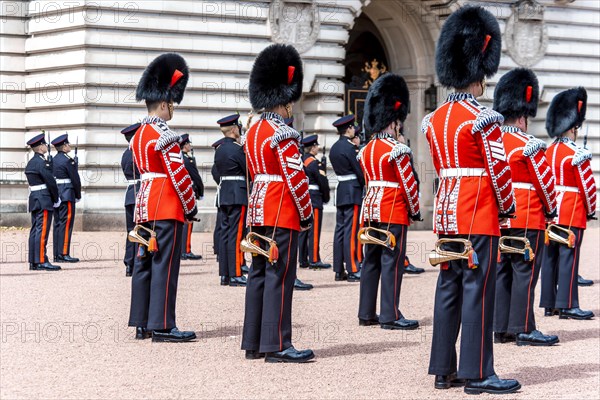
[{"x": 64, "y": 335}]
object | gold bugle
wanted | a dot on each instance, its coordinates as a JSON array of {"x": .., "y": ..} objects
[
  {"x": 365, "y": 236},
  {"x": 526, "y": 250},
  {"x": 553, "y": 233},
  {"x": 135, "y": 237},
  {"x": 250, "y": 244},
  {"x": 439, "y": 255}
]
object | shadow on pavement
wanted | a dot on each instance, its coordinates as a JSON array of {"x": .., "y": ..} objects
[
  {"x": 537, "y": 375},
  {"x": 365, "y": 348}
]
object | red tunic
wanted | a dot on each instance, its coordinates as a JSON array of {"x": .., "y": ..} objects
[
  {"x": 576, "y": 188},
  {"x": 533, "y": 180},
  {"x": 463, "y": 134},
  {"x": 280, "y": 194},
  {"x": 166, "y": 190},
  {"x": 392, "y": 193}
]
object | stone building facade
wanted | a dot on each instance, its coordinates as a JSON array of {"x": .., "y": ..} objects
[{"x": 72, "y": 66}]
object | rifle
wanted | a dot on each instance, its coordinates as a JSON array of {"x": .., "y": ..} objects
[
  {"x": 76, "y": 147},
  {"x": 302, "y": 139},
  {"x": 324, "y": 160},
  {"x": 585, "y": 136},
  {"x": 49, "y": 153}
]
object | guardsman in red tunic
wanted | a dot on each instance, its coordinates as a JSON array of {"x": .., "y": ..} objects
[
  {"x": 475, "y": 193},
  {"x": 516, "y": 98},
  {"x": 576, "y": 199},
  {"x": 164, "y": 201},
  {"x": 391, "y": 201},
  {"x": 278, "y": 208}
]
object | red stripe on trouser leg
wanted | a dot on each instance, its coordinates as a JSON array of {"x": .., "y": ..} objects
[
  {"x": 573, "y": 271},
  {"x": 169, "y": 273},
  {"x": 483, "y": 312},
  {"x": 67, "y": 227},
  {"x": 396, "y": 275},
  {"x": 43, "y": 239},
  {"x": 239, "y": 255},
  {"x": 315, "y": 257},
  {"x": 287, "y": 263},
  {"x": 359, "y": 249},
  {"x": 353, "y": 240},
  {"x": 531, "y": 282},
  {"x": 188, "y": 241}
]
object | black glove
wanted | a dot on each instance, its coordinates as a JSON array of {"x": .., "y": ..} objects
[
  {"x": 416, "y": 217},
  {"x": 591, "y": 217},
  {"x": 306, "y": 223},
  {"x": 551, "y": 215},
  {"x": 190, "y": 216}
]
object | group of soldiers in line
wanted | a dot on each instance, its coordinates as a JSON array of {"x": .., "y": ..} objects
[{"x": 270, "y": 198}]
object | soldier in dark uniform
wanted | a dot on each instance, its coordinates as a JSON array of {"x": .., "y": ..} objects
[
  {"x": 217, "y": 230},
  {"x": 348, "y": 199},
  {"x": 66, "y": 172},
  {"x": 133, "y": 186},
  {"x": 190, "y": 164},
  {"x": 43, "y": 198},
  {"x": 318, "y": 185},
  {"x": 232, "y": 200}
]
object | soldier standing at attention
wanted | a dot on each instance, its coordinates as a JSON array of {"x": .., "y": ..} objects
[
  {"x": 165, "y": 200},
  {"x": 217, "y": 232},
  {"x": 43, "y": 199},
  {"x": 66, "y": 172},
  {"x": 133, "y": 186},
  {"x": 232, "y": 200},
  {"x": 278, "y": 208},
  {"x": 190, "y": 164},
  {"x": 348, "y": 199},
  {"x": 475, "y": 194}
]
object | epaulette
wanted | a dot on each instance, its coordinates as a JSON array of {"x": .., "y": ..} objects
[
  {"x": 580, "y": 156},
  {"x": 283, "y": 132},
  {"x": 167, "y": 136},
  {"x": 399, "y": 150},
  {"x": 425, "y": 123},
  {"x": 360, "y": 152},
  {"x": 486, "y": 117},
  {"x": 533, "y": 145}
]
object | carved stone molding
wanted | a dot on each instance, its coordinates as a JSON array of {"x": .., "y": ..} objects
[
  {"x": 295, "y": 22},
  {"x": 526, "y": 34}
]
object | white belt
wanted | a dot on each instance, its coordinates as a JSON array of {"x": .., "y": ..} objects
[
  {"x": 132, "y": 181},
  {"x": 313, "y": 187},
  {"x": 151, "y": 175},
  {"x": 233, "y": 178},
  {"x": 267, "y": 178},
  {"x": 387, "y": 184},
  {"x": 343, "y": 178},
  {"x": 523, "y": 185},
  {"x": 37, "y": 187},
  {"x": 462, "y": 172},
  {"x": 63, "y": 181},
  {"x": 562, "y": 188}
]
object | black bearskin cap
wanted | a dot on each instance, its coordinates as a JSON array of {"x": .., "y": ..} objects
[
  {"x": 161, "y": 81},
  {"x": 566, "y": 111},
  {"x": 387, "y": 101},
  {"x": 276, "y": 77},
  {"x": 517, "y": 94},
  {"x": 469, "y": 47}
]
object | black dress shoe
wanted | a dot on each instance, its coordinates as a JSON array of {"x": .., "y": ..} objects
[
  {"x": 536, "y": 338},
  {"x": 172, "y": 335},
  {"x": 31, "y": 267},
  {"x": 224, "y": 281},
  {"x": 549, "y": 312},
  {"x": 575, "y": 313},
  {"x": 448, "y": 381},
  {"x": 238, "y": 281},
  {"x": 303, "y": 265},
  {"x": 341, "y": 276},
  {"x": 401, "y": 324},
  {"x": 46, "y": 267},
  {"x": 299, "y": 285},
  {"x": 319, "y": 265},
  {"x": 142, "y": 333},
  {"x": 254, "y": 355},
  {"x": 245, "y": 269},
  {"x": 581, "y": 281},
  {"x": 354, "y": 277},
  {"x": 65, "y": 258},
  {"x": 128, "y": 270},
  {"x": 290, "y": 355},
  {"x": 503, "y": 337},
  {"x": 411, "y": 269},
  {"x": 492, "y": 384},
  {"x": 368, "y": 322},
  {"x": 190, "y": 256}
]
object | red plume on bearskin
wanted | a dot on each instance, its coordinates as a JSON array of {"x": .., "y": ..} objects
[
  {"x": 566, "y": 111},
  {"x": 276, "y": 77},
  {"x": 387, "y": 101},
  {"x": 164, "y": 79},
  {"x": 513, "y": 91},
  {"x": 469, "y": 47}
]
